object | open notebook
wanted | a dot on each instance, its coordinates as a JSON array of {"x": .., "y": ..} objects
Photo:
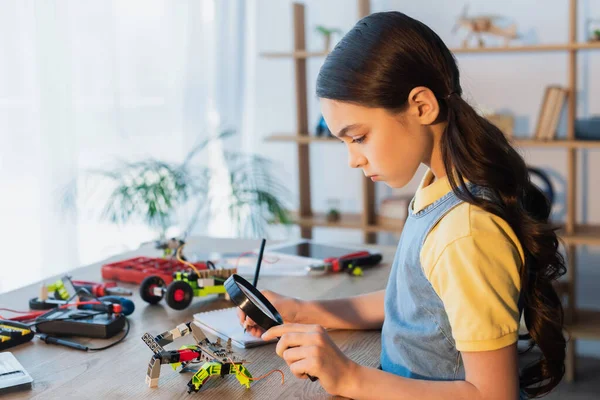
[{"x": 225, "y": 324}]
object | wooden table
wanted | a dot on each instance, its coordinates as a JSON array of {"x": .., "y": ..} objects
[{"x": 119, "y": 372}]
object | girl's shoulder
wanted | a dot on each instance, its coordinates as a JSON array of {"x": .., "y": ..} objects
[{"x": 463, "y": 222}]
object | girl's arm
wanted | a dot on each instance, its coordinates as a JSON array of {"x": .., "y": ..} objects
[
  {"x": 358, "y": 312},
  {"x": 308, "y": 350},
  {"x": 490, "y": 375}
]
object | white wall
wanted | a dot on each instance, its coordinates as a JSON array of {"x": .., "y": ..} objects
[{"x": 505, "y": 82}]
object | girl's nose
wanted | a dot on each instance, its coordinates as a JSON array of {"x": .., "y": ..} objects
[{"x": 356, "y": 160}]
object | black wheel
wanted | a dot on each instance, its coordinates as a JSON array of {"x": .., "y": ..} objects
[
  {"x": 179, "y": 295},
  {"x": 147, "y": 289}
]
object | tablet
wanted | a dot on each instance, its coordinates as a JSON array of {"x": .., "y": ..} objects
[
  {"x": 291, "y": 258},
  {"x": 317, "y": 251}
]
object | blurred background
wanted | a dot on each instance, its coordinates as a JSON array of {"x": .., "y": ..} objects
[{"x": 127, "y": 121}]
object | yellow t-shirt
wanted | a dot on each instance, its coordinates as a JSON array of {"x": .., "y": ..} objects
[{"x": 472, "y": 259}]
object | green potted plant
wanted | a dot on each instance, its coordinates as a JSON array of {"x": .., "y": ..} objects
[{"x": 152, "y": 191}]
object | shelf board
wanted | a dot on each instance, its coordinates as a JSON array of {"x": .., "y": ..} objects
[
  {"x": 586, "y": 325},
  {"x": 460, "y": 50},
  {"x": 350, "y": 221},
  {"x": 562, "y": 143},
  {"x": 583, "y": 235},
  {"x": 295, "y": 54},
  {"x": 528, "y": 49},
  {"x": 302, "y": 139}
]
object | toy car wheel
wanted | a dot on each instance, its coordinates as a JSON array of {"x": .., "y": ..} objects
[
  {"x": 147, "y": 292},
  {"x": 179, "y": 295}
]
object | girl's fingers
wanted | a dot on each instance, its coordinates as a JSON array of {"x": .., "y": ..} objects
[
  {"x": 295, "y": 354},
  {"x": 296, "y": 339},
  {"x": 255, "y": 331},
  {"x": 301, "y": 369},
  {"x": 289, "y": 340},
  {"x": 280, "y": 330}
]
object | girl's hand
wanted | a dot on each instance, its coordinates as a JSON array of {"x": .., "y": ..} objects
[
  {"x": 308, "y": 350},
  {"x": 287, "y": 306}
]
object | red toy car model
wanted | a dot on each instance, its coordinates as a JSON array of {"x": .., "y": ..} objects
[{"x": 135, "y": 270}]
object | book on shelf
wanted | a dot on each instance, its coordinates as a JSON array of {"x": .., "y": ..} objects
[{"x": 553, "y": 103}]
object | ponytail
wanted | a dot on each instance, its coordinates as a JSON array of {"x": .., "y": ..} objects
[{"x": 479, "y": 152}]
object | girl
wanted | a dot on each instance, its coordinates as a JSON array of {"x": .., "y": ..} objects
[{"x": 476, "y": 250}]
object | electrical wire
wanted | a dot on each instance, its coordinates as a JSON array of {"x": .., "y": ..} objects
[
  {"x": 32, "y": 317},
  {"x": 15, "y": 311},
  {"x": 117, "y": 341},
  {"x": 36, "y": 324},
  {"x": 211, "y": 265},
  {"x": 239, "y": 371},
  {"x": 265, "y": 259},
  {"x": 178, "y": 255}
]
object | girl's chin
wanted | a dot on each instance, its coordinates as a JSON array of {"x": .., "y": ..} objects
[{"x": 395, "y": 184}]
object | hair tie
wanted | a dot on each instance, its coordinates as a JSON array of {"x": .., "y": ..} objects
[{"x": 451, "y": 94}]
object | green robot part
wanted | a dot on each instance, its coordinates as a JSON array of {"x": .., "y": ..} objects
[{"x": 213, "y": 368}]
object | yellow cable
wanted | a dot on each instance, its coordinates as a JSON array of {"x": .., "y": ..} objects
[{"x": 185, "y": 262}]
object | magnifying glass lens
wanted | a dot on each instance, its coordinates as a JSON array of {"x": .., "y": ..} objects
[{"x": 256, "y": 302}]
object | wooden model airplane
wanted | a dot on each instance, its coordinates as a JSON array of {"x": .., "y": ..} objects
[{"x": 484, "y": 24}]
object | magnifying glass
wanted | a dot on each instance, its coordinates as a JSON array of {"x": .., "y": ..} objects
[{"x": 252, "y": 302}]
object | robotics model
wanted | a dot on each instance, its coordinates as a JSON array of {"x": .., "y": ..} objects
[{"x": 217, "y": 360}]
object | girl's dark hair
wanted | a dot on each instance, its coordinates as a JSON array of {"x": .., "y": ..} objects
[{"x": 377, "y": 64}]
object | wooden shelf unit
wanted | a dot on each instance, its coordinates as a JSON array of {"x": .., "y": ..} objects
[
  {"x": 538, "y": 48},
  {"x": 582, "y": 324},
  {"x": 560, "y": 143},
  {"x": 366, "y": 221}
]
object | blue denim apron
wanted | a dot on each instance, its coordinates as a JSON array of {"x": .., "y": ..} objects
[{"x": 416, "y": 337}]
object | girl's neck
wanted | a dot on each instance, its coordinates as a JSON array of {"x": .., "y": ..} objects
[{"x": 436, "y": 162}]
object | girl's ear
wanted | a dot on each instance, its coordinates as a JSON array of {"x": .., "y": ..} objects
[{"x": 423, "y": 105}]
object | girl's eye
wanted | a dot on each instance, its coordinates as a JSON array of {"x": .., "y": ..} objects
[{"x": 359, "y": 140}]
